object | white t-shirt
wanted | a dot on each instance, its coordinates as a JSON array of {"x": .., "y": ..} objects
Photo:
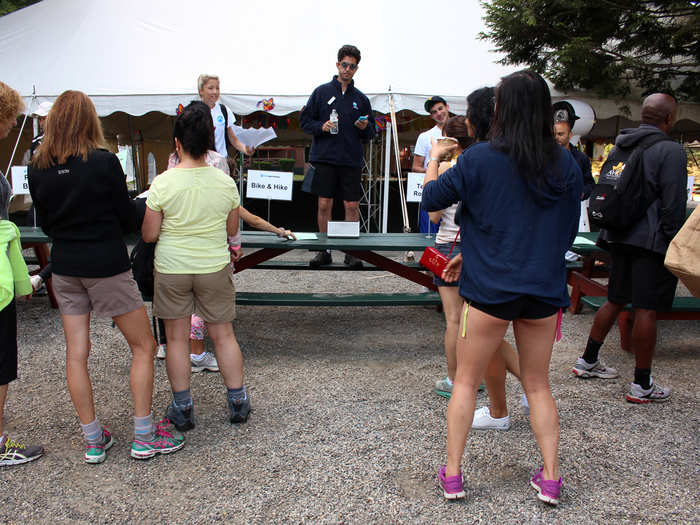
[
  {"x": 423, "y": 144},
  {"x": 219, "y": 131}
]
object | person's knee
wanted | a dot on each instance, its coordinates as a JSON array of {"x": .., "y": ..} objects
[
  {"x": 353, "y": 206},
  {"x": 145, "y": 347},
  {"x": 324, "y": 205}
]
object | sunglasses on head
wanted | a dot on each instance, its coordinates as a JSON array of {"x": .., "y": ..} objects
[{"x": 346, "y": 65}]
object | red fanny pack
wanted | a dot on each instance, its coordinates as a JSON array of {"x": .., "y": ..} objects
[{"x": 434, "y": 261}]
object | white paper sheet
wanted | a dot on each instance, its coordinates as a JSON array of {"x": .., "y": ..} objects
[{"x": 254, "y": 137}]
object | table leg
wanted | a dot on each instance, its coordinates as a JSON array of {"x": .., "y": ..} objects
[
  {"x": 257, "y": 257},
  {"x": 394, "y": 267}
]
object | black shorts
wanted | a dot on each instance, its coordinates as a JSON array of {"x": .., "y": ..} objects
[
  {"x": 8, "y": 344},
  {"x": 337, "y": 181},
  {"x": 524, "y": 307},
  {"x": 639, "y": 277},
  {"x": 444, "y": 248}
]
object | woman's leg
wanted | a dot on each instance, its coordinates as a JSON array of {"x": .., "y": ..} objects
[
  {"x": 452, "y": 307},
  {"x": 177, "y": 359},
  {"x": 495, "y": 378},
  {"x": 136, "y": 329},
  {"x": 534, "y": 338},
  {"x": 77, "y": 332},
  {"x": 484, "y": 334},
  {"x": 228, "y": 354}
]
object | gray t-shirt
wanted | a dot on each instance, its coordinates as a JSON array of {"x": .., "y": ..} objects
[{"x": 5, "y": 194}]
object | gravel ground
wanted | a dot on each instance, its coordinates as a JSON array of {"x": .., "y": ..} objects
[{"x": 345, "y": 427}]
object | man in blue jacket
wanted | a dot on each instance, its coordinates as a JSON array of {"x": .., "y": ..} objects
[{"x": 337, "y": 150}]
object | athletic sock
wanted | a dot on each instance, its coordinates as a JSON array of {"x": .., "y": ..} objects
[
  {"x": 590, "y": 355},
  {"x": 92, "y": 432},
  {"x": 642, "y": 376},
  {"x": 182, "y": 399},
  {"x": 237, "y": 394},
  {"x": 144, "y": 429}
]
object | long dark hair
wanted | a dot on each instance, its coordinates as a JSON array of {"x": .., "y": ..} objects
[
  {"x": 480, "y": 111},
  {"x": 522, "y": 124}
]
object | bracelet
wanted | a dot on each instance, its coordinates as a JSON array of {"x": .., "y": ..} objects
[{"x": 436, "y": 159}]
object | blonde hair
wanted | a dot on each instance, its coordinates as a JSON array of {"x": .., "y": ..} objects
[
  {"x": 72, "y": 129},
  {"x": 203, "y": 79},
  {"x": 11, "y": 103}
]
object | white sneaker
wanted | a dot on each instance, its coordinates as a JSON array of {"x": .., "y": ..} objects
[
  {"x": 654, "y": 394},
  {"x": 205, "y": 361},
  {"x": 525, "y": 404},
  {"x": 484, "y": 421},
  {"x": 585, "y": 370},
  {"x": 36, "y": 282},
  {"x": 160, "y": 353}
]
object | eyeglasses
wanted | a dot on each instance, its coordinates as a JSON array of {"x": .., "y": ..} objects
[{"x": 346, "y": 65}]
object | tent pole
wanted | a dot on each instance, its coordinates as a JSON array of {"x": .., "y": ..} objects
[
  {"x": 387, "y": 170},
  {"x": 19, "y": 135},
  {"x": 397, "y": 157},
  {"x": 369, "y": 188}
]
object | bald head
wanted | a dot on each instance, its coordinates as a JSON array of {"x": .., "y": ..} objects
[{"x": 659, "y": 110}]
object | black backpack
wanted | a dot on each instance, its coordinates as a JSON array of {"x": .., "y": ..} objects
[
  {"x": 622, "y": 195},
  {"x": 142, "y": 257}
]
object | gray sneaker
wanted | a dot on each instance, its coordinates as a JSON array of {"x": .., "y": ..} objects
[
  {"x": 15, "y": 453},
  {"x": 182, "y": 418},
  {"x": 585, "y": 370},
  {"x": 443, "y": 387},
  {"x": 205, "y": 361},
  {"x": 654, "y": 394},
  {"x": 239, "y": 409}
]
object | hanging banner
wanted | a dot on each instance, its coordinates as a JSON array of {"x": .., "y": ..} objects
[
  {"x": 414, "y": 186},
  {"x": 271, "y": 185}
]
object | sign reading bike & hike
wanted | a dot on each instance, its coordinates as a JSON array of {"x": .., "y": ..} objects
[
  {"x": 271, "y": 185},
  {"x": 20, "y": 184}
]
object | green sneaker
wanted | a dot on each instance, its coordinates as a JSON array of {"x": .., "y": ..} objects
[
  {"x": 443, "y": 387},
  {"x": 166, "y": 440},
  {"x": 96, "y": 453}
]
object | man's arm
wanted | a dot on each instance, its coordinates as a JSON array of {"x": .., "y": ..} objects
[
  {"x": 309, "y": 117},
  {"x": 418, "y": 162},
  {"x": 588, "y": 181}
]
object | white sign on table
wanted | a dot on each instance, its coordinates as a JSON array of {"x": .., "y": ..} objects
[
  {"x": 20, "y": 184},
  {"x": 271, "y": 185},
  {"x": 414, "y": 186}
]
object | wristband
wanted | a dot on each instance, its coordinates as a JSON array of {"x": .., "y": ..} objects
[{"x": 436, "y": 159}]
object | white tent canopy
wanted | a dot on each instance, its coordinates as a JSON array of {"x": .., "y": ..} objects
[{"x": 138, "y": 56}]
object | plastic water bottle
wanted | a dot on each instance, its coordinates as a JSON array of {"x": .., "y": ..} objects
[{"x": 334, "y": 122}]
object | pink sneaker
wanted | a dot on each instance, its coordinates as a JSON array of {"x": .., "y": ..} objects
[
  {"x": 452, "y": 486},
  {"x": 547, "y": 490}
]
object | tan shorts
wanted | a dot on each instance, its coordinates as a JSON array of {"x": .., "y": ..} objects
[
  {"x": 212, "y": 296},
  {"x": 104, "y": 296}
]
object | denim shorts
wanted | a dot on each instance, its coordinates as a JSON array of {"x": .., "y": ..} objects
[{"x": 445, "y": 249}]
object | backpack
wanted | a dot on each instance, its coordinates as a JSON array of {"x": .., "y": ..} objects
[
  {"x": 224, "y": 112},
  {"x": 142, "y": 267},
  {"x": 622, "y": 195}
]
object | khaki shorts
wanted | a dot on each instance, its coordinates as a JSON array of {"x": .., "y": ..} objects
[
  {"x": 104, "y": 296},
  {"x": 212, "y": 296}
]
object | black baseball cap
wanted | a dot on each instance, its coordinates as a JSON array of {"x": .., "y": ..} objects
[
  {"x": 432, "y": 101},
  {"x": 563, "y": 111}
]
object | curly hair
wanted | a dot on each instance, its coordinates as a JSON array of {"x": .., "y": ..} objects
[
  {"x": 349, "y": 51},
  {"x": 11, "y": 103},
  {"x": 480, "y": 104}
]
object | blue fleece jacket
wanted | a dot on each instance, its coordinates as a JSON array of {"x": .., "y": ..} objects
[
  {"x": 345, "y": 148},
  {"x": 514, "y": 233}
]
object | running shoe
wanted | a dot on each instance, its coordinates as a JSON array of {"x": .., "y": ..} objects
[
  {"x": 548, "y": 490},
  {"x": 452, "y": 487},
  {"x": 202, "y": 362},
  {"x": 484, "y": 421},
  {"x": 239, "y": 409},
  {"x": 166, "y": 441},
  {"x": 654, "y": 394},
  {"x": 585, "y": 370},
  {"x": 443, "y": 387},
  {"x": 15, "y": 453},
  {"x": 96, "y": 452},
  {"x": 182, "y": 418}
]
